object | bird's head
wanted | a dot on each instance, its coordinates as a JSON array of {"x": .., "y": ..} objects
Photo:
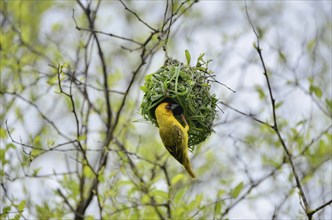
[{"x": 169, "y": 108}]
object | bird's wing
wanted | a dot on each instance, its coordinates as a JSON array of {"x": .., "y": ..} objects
[{"x": 173, "y": 143}]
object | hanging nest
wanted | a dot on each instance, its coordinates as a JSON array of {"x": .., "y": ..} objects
[{"x": 189, "y": 87}]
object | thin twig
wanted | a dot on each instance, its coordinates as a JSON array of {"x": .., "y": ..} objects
[
  {"x": 31, "y": 103},
  {"x": 275, "y": 126},
  {"x": 169, "y": 186},
  {"x": 306, "y": 147},
  {"x": 135, "y": 14},
  {"x": 253, "y": 186},
  {"x": 65, "y": 200},
  {"x": 86, "y": 200},
  {"x": 319, "y": 208},
  {"x": 102, "y": 32},
  {"x": 168, "y": 31},
  {"x": 246, "y": 114}
]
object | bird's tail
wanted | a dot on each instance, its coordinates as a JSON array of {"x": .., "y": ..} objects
[{"x": 190, "y": 170}]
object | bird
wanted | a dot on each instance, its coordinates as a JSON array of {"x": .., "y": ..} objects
[{"x": 173, "y": 135}]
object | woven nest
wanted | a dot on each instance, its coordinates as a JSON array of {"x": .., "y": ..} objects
[{"x": 189, "y": 87}]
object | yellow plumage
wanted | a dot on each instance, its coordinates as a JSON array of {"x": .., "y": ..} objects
[{"x": 173, "y": 135}]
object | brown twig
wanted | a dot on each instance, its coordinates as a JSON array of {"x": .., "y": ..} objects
[
  {"x": 246, "y": 114},
  {"x": 138, "y": 17},
  {"x": 312, "y": 212},
  {"x": 251, "y": 187},
  {"x": 275, "y": 125},
  {"x": 102, "y": 32}
]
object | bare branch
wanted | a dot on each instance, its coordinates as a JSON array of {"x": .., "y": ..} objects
[
  {"x": 275, "y": 126},
  {"x": 135, "y": 14},
  {"x": 43, "y": 115},
  {"x": 65, "y": 200},
  {"x": 102, "y": 32},
  {"x": 247, "y": 115},
  {"x": 310, "y": 214},
  {"x": 251, "y": 187}
]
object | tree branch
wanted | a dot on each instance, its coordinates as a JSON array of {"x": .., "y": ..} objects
[
  {"x": 318, "y": 208},
  {"x": 135, "y": 14},
  {"x": 275, "y": 126}
]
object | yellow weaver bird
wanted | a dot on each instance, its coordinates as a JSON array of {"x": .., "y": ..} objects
[{"x": 173, "y": 135}]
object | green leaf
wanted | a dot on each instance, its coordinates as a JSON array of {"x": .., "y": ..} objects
[
  {"x": 145, "y": 199},
  {"x": 261, "y": 32},
  {"x": 35, "y": 152},
  {"x": 307, "y": 178},
  {"x": 17, "y": 217},
  {"x": 36, "y": 171},
  {"x": 311, "y": 44},
  {"x": 10, "y": 145},
  {"x": 82, "y": 137},
  {"x": 195, "y": 203},
  {"x": 52, "y": 80},
  {"x": 177, "y": 178},
  {"x": 179, "y": 195},
  {"x": 57, "y": 91},
  {"x": 144, "y": 89},
  {"x": 188, "y": 57},
  {"x": 200, "y": 58},
  {"x": 21, "y": 206},
  {"x": 237, "y": 190},
  {"x": 37, "y": 141},
  {"x": 279, "y": 104},
  {"x": 254, "y": 45},
  {"x": 6, "y": 209},
  {"x": 50, "y": 142},
  {"x": 148, "y": 77},
  {"x": 2, "y": 157},
  {"x": 89, "y": 217},
  {"x": 267, "y": 160},
  {"x": 56, "y": 27},
  {"x": 282, "y": 56},
  {"x": 101, "y": 177},
  {"x": 88, "y": 172},
  {"x": 260, "y": 92},
  {"x": 3, "y": 133},
  {"x": 198, "y": 199},
  {"x": 329, "y": 104},
  {"x": 316, "y": 90},
  {"x": 301, "y": 122},
  {"x": 18, "y": 114},
  {"x": 160, "y": 193},
  {"x": 218, "y": 208},
  {"x": 221, "y": 192}
]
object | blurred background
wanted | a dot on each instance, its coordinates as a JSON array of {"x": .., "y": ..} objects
[{"x": 73, "y": 141}]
